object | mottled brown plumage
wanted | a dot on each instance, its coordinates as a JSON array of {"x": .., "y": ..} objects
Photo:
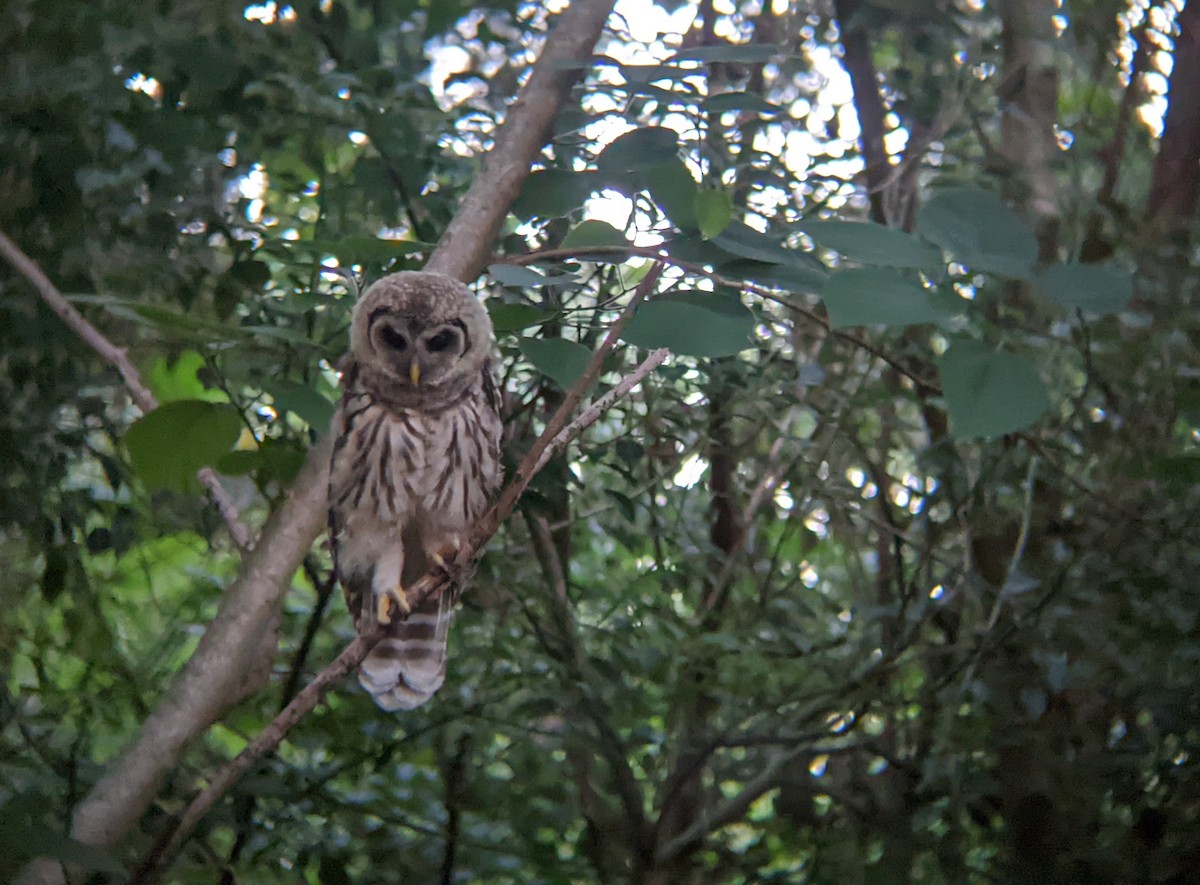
[{"x": 415, "y": 463}]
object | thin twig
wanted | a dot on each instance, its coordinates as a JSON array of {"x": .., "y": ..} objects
[
  {"x": 201, "y": 691},
  {"x": 558, "y": 421},
  {"x": 119, "y": 359},
  {"x": 557, "y": 434},
  {"x": 266, "y": 740},
  {"x": 925, "y": 387},
  {"x": 1014, "y": 564},
  {"x": 592, "y": 413}
]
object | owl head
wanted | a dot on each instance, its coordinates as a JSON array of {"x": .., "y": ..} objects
[{"x": 422, "y": 331}]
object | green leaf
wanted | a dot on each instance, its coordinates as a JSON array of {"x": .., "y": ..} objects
[
  {"x": 714, "y": 211},
  {"x": 301, "y": 400},
  {"x": 792, "y": 277},
  {"x": 989, "y": 393},
  {"x": 177, "y": 380},
  {"x": 873, "y": 243},
  {"x": 562, "y": 360},
  {"x": 638, "y": 150},
  {"x": 513, "y": 276},
  {"x": 740, "y": 101},
  {"x": 167, "y": 446},
  {"x": 275, "y": 460},
  {"x": 979, "y": 231},
  {"x": 693, "y": 323},
  {"x": 1092, "y": 288},
  {"x": 870, "y": 296},
  {"x": 551, "y": 193},
  {"x": 514, "y": 317},
  {"x": 594, "y": 232},
  {"x": 744, "y": 241},
  {"x": 745, "y": 53},
  {"x": 674, "y": 189}
]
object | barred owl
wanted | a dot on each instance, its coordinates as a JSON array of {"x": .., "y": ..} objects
[{"x": 415, "y": 462}]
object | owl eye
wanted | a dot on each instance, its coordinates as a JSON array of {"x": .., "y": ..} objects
[
  {"x": 393, "y": 339},
  {"x": 441, "y": 341}
]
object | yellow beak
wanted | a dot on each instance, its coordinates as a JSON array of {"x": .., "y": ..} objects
[{"x": 414, "y": 372}]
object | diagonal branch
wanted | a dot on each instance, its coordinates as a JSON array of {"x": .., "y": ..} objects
[
  {"x": 437, "y": 581},
  {"x": 208, "y": 682},
  {"x": 467, "y": 240},
  {"x": 730, "y": 810},
  {"x": 118, "y": 359}
]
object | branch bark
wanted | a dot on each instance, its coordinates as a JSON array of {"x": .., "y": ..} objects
[
  {"x": 468, "y": 238},
  {"x": 1029, "y": 94},
  {"x": 1175, "y": 183},
  {"x": 208, "y": 682},
  {"x": 864, "y": 81},
  {"x": 119, "y": 360},
  {"x": 551, "y": 441}
]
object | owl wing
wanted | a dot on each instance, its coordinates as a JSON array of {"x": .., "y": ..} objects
[{"x": 389, "y": 508}]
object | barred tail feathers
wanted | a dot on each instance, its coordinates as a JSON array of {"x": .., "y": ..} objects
[{"x": 408, "y": 665}]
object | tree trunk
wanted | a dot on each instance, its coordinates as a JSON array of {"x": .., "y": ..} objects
[
  {"x": 1175, "y": 184},
  {"x": 1029, "y": 97}
]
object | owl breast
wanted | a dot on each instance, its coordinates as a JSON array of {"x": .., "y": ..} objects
[{"x": 397, "y": 466}]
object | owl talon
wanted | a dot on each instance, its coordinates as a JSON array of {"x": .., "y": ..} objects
[
  {"x": 445, "y": 557},
  {"x": 383, "y": 611}
]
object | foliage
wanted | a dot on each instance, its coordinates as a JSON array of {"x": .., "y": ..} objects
[{"x": 887, "y": 575}]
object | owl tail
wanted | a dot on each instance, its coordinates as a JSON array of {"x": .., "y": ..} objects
[{"x": 409, "y": 664}]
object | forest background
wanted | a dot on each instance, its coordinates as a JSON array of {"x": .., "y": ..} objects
[{"x": 873, "y": 558}]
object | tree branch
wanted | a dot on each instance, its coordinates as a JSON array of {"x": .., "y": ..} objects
[
  {"x": 867, "y": 102},
  {"x": 545, "y": 445},
  {"x": 438, "y": 580},
  {"x": 468, "y": 238},
  {"x": 203, "y": 690},
  {"x": 119, "y": 360},
  {"x": 924, "y": 386},
  {"x": 730, "y": 810}
]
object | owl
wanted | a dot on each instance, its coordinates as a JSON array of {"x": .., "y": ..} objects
[{"x": 416, "y": 461}]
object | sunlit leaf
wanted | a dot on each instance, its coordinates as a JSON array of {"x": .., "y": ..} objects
[
  {"x": 514, "y": 276},
  {"x": 989, "y": 393},
  {"x": 714, "y": 210},
  {"x": 979, "y": 231},
  {"x": 674, "y": 189},
  {"x": 167, "y": 446},
  {"x": 367, "y": 250},
  {"x": 562, "y": 360},
  {"x": 744, "y": 241},
  {"x": 1093, "y": 288},
  {"x": 873, "y": 243},
  {"x": 795, "y": 276},
  {"x": 170, "y": 381},
  {"x": 693, "y": 323},
  {"x": 878, "y": 296},
  {"x": 594, "y": 232}
]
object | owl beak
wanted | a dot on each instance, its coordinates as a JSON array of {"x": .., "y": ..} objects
[{"x": 414, "y": 372}]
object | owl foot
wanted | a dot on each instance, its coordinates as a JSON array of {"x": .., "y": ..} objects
[
  {"x": 445, "y": 557},
  {"x": 383, "y": 611}
]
